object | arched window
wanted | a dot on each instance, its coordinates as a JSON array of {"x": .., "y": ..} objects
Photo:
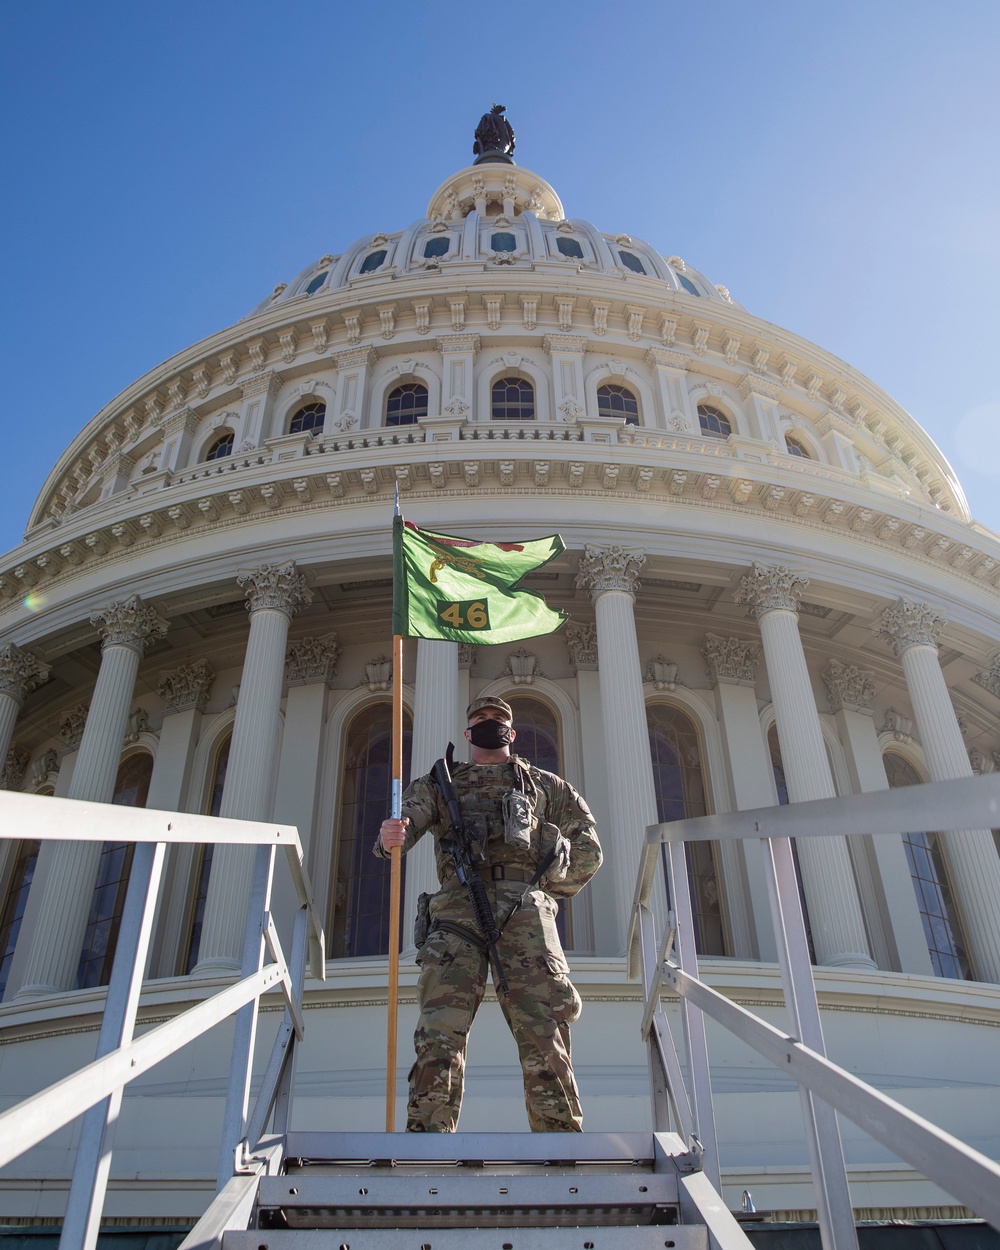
[
  {"x": 688, "y": 285},
  {"x": 25, "y": 857},
  {"x": 437, "y": 247},
  {"x": 512, "y": 399},
  {"x": 680, "y": 793},
  {"x": 359, "y": 923},
  {"x": 714, "y": 422},
  {"x": 222, "y": 447},
  {"x": 406, "y": 404},
  {"x": 631, "y": 261},
  {"x": 205, "y": 857},
  {"x": 942, "y": 926},
  {"x": 317, "y": 282},
  {"x": 309, "y": 418},
  {"x": 503, "y": 241},
  {"x": 372, "y": 261},
  {"x": 108, "y": 902},
  {"x": 795, "y": 448},
  {"x": 569, "y": 247},
  {"x": 617, "y": 401},
  {"x": 781, "y": 785}
]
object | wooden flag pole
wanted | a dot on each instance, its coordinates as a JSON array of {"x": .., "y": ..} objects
[{"x": 395, "y": 878}]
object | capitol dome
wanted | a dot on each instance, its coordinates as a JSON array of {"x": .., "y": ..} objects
[{"x": 775, "y": 591}]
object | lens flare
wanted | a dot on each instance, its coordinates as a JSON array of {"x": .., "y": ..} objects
[{"x": 34, "y": 601}]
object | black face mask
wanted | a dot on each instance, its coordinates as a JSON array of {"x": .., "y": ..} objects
[{"x": 489, "y": 735}]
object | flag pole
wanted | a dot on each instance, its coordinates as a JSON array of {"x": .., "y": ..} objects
[{"x": 395, "y": 873}]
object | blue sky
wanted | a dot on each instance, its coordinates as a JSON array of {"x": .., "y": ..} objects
[{"x": 834, "y": 164}]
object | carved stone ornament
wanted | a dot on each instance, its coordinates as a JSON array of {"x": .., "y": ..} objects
[
  {"x": 570, "y": 409},
  {"x": 730, "y": 660},
  {"x": 71, "y": 726},
  {"x": 989, "y": 678},
  {"x": 128, "y": 623},
  {"x": 378, "y": 674},
  {"x": 610, "y": 568},
  {"x": 45, "y": 768},
  {"x": 661, "y": 672},
  {"x": 14, "y": 768},
  {"x": 276, "y": 586},
  {"x": 456, "y": 407},
  {"x": 522, "y": 667},
  {"x": 980, "y": 762},
  {"x": 770, "y": 587},
  {"x": 20, "y": 672},
  {"x": 581, "y": 642},
  {"x": 311, "y": 659},
  {"x": 138, "y": 724},
  {"x": 900, "y": 726},
  {"x": 187, "y": 687},
  {"x": 467, "y": 654},
  {"x": 907, "y": 624},
  {"x": 848, "y": 687}
]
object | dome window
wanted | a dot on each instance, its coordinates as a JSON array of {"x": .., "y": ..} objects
[
  {"x": 688, "y": 285},
  {"x": 222, "y": 447},
  {"x": 512, "y": 399},
  {"x": 569, "y": 247},
  {"x": 372, "y": 261},
  {"x": 406, "y": 404},
  {"x": 503, "y": 241},
  {"x": 617, "y": 402},
  {"x": 317, "y": 282},
  {"x": 631, "y": 261},
  {"x": 437, "y": 247},
  {"x": 795, "y": 448},
  {"x": 309, "y": 419},
  {"x": 714, "y": 424}
]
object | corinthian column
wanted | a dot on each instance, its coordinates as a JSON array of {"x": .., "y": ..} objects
[
  {"x": 611, "y": 574},
  {"x": 20, "y": 673},
  {"x": 67, "y": 870},
  {"x": 912, "y": 630},
  {"x": 274, "y": 594},
  {"x": 771, "y": 594}
]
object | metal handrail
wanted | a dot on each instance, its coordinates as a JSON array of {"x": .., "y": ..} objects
[
  {"x": 966, "y": 1173},
  {"x": 95, "y": 1091}
]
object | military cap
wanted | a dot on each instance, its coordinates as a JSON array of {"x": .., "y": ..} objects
[{"x": 478, "y": 704}]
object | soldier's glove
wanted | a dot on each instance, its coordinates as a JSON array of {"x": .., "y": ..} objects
[{"x": 552, "y": 839}]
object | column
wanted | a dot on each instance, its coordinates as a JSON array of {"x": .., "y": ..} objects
[
  {"x": 70, "y": 868},
  {"x": 259, "y": 393},
  {"x": 20, "y": 673},
  {"x": 732, "y": 669},
  {"x": 912, "y": 630},
  {"x": 894, "y": 924},
  {"x": 611, "y": 575},
  {"x": 437, "y": 720},
  {"x": 771, "y": 594},
  {"x": 353, "y": 372},
  {"x": 675, "y": 397},
  {"x": 274, "y": 593},
  {"x": 566, "y": 352},
  {"x": 185, "y": 691},
  {"x": 760, "y": 396}
]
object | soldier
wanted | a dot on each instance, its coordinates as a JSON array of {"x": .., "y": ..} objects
[{"x": 541, "y": 1003}]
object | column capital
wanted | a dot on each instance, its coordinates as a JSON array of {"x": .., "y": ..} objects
[
  {"x": 848, "y": 687},
  {"x": 730, "y": 661},
  {"x": 276, "y": 586},
  {"x": 187, "y": 687},
  {"x": 310, "y": 660},
  {"x": 20, "y": 672},
  {"x": 610, "y": 568},
  {"x": 128, "y": 623},
  {"x": 769, "y": 588},
  {"x": 907, "y": 624},
  {"x": 72, "y": 725},
  {"x": 458, "y": 343},
  {"x": 14, "y": 768},
  {"x": 581, "y": 643}
]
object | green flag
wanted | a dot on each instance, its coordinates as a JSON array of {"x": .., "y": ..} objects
[{"x": 459, "y": 590}]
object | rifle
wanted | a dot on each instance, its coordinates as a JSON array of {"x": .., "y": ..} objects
[{"x": 463, "y": 849}]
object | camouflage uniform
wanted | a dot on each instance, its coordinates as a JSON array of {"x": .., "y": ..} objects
[{"x": 541, "y": 1003}]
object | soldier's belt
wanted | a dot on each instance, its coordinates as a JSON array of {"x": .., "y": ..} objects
[{"x": 502, "y": 872}]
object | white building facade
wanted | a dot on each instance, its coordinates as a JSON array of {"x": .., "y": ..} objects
[{"x": 775, "y": 590}]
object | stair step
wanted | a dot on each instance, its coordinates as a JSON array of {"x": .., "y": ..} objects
[
  {"x": 374, "y": 1199},
  {"x": 648, "y": 1237}
]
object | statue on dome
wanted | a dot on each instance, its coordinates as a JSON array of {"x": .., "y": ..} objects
[{"x": 494, "y": 138}]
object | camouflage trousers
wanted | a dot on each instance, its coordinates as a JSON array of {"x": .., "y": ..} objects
[{"x": 539, "y": 1009}]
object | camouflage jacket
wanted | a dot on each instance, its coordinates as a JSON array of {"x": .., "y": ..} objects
[{"x": 480, "y": 789}]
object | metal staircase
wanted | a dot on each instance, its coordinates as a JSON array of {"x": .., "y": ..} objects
[{"x": 511, "y": 1191}]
